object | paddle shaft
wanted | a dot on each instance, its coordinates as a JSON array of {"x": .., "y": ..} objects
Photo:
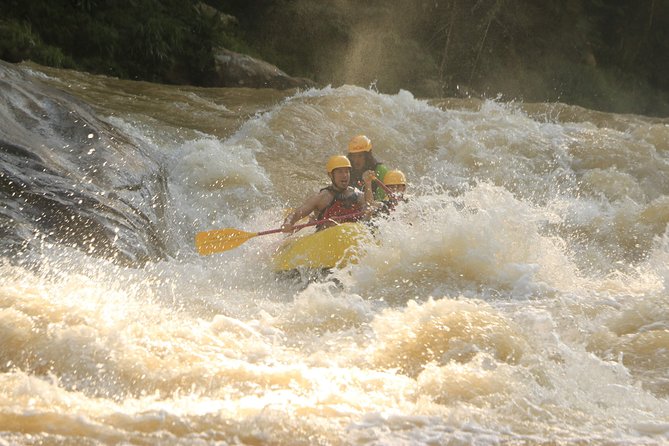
[{"x": 314, "y": 223}]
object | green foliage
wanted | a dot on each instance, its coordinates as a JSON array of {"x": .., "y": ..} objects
[
  {"x": 140, "y": 39},
  {"x": 19, "y": 42},
  {"x": 605, "y": 54},
  {"x": 306, "y": 38},
  {"x": 16, "y": 40}
]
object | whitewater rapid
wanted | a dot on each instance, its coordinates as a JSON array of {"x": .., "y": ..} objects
[{"x": 519, "y": 297}]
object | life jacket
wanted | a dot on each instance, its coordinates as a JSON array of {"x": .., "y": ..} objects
[
  {"x": 340, "y": 206},
  {"x": 379, "y": 194}
]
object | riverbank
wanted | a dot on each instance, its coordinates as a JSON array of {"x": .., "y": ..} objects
[{"x": 512, "y": 51}]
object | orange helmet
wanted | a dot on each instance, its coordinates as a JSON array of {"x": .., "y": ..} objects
[
  {"x": 359, "y": 143},
  {"x": 394, "y": 177},
  {"x": 337, "y": 161}
]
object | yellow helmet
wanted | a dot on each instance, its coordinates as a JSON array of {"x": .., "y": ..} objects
[
  {"x": 394, "y": 177},
  {"x": 359, "y": 143},
  {"x": 337, "y": 161}
]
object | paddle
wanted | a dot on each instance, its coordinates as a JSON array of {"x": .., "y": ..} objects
[{"x": 219, "y": 240}]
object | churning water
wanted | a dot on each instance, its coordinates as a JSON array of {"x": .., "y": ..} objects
[{"x": 521, "y": 296}]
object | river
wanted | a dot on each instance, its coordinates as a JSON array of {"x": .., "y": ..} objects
[{"x": 520, "y": 296}]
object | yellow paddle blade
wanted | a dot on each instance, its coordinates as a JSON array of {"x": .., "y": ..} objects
[{"x": 219, "y": 240}]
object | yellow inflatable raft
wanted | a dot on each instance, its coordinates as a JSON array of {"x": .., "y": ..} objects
[{"x": 335, "y": 246}]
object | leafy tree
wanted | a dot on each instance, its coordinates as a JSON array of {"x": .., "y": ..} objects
[{"x": 604, "y": 54}]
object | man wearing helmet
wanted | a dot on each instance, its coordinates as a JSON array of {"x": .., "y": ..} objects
[
  {"x": 396, "y": 182},
  {"x": 338, "y": 200},
  {"x": 362, "y": 160}
]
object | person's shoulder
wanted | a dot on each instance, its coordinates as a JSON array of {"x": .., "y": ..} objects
[
  {"x": 325, "y": 194},
  {"x": 320, "y": 195},
  {"x": 321, "y": 200}
]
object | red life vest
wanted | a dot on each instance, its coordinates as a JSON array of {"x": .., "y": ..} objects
[{"x": 340, "y": 207}]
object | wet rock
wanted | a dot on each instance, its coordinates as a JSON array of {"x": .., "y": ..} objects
[
  {"x": 239, "y": 70},
  {"x": 69, "y": 178}
]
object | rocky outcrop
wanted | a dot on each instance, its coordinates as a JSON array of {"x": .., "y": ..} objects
[
  {"x": 69, "y": 178},
  {"x": 239, "y": 70}
]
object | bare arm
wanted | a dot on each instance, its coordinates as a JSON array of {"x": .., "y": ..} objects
[
  {"x": 316, "y": 202},
  {"x": 368, "y": 177},
  {"x": 370, "y": 204}
]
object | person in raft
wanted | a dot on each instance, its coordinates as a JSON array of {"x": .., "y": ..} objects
[
  {"x": 339, "y": 201},
  {"x": 396, "y": 182},
  {"x": 362, "y": 161}
]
